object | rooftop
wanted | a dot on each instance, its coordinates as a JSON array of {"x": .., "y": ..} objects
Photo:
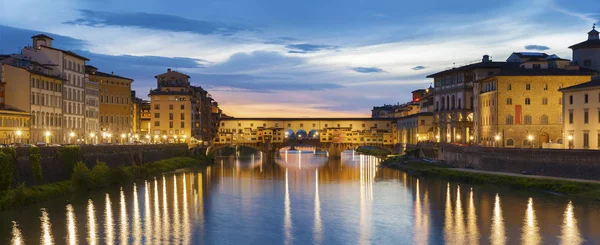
[
  {"x": 67, "y": 52},
  {"x": 42, "y": 36},
  {"x": 490, "y": 64},
  {"x": 102, "y": 74},
  {"x": 590, "y": 84}
]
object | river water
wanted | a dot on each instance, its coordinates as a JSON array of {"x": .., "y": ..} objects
[{"x": 303, "y": 199}]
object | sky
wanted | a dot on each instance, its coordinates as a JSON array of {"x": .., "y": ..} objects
[{"x": 311, "y": 58}]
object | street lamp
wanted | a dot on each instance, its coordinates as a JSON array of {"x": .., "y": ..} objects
[
  {"x": 123, "y": 138},
  {"x": 71, "y": 135},
  {"x": 165, "y": 138},
  {"x": 47, "y": 137},
  {"x": 530, "y": 138},
  {"x": 570, "y": 139},
  {"x": 497, "y": 138},
  {"x": 19, "y": 132}
]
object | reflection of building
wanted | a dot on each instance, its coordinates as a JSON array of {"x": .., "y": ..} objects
[
  {"x": 587, "y": 54},
  {"x": 115, "y": 104},
  {"x": 581, "y": 109}
]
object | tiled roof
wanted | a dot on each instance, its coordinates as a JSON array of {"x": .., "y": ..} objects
[
  {"x": 590, "y": 84},
  {"x": 42, "y": 36},
  {"x": 491, "y": 64},
  {"x": 546, "y": 72},
  {"x": 66, "y": 52},
  {"x": 586, "y": 44},
  {"x": 102, "y": 74}
]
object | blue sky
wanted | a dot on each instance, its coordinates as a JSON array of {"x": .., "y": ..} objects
[{"x": 297, "y": 58}]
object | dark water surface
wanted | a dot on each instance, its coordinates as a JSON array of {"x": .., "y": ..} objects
[{"x": 304, "y": 199}]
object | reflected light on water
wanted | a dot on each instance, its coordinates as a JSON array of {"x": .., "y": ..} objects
[
  {"x": 367, "y": 175},
  {"x": 176, "y": 221},
  {"x": 123, "y": 220},
  {"x": 108, "y": 220},
  {"x": 318, "y": 228},
  {"x": 530, "y": 234},
  {"x": 71, "y": 226},
  {"x": 92, "y": 225},
  {"x": 473, "y": 231},
  {"x": 147, "y": 217},
  {"x": 569, "y": 231},
  {"x": 165, "y": 215},
  {"x": 47, "y": 238},
  {"x": 137, "y": 226},
  {"x": 287, "y": 219},
  {"x": 459, "y": 219},
  {"x": 448, "y": 218},
  {"x": 421, "y": 231},
  {"x": 498, "y": 234},
  {"x": 157, "y": 232},
  {"x": 186, "y": 216},
  {"x": 17, "y": 237}
]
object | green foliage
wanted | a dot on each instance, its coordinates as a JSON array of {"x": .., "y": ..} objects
[
  {"x": 373, "y": 152},
  {"x": 120, "y": 175},
  {"x": 22, "y": 195},
  {"x": 208, "y": 159},
  {"x": 81, "y": 176},
  {"x": 7, "y": 172},
  {"x": 35, "y": 163},
  {"x": 100, "y": 175},
  {"x": 70, "y": 155},
  {"x": 10, "y": 152}
]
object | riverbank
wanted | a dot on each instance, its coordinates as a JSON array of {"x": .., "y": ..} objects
[
  {"x": 100, "y": 176},
  {"x": 570, "y": 189}
]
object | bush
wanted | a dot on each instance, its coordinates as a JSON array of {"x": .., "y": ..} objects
[
  {"x": 70, "y": 155},
  {"x": 100, "y": 175},
  {"x": 120, "y": 175},
  {"x": 10, "y": 152},
  {"x": 82, "y": 177},
  {"x": 35, "y": 163},
  {"x": 7, "y": 172}
]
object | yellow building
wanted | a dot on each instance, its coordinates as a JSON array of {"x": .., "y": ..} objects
[
  {"x": 171, "y": 107},
  {"x": 115, "y": 106},
  {"x": 415, "y": 128},
  {"x": 523, "y": 107},
  {"x": 14, "y": 123}
]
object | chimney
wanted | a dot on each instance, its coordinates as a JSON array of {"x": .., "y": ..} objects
[
  {"x": 486, "y": 58},
  {"x": 169, "y": 70}
]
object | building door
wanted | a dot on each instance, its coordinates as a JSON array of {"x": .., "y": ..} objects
[{"x": 544, "y": 138}]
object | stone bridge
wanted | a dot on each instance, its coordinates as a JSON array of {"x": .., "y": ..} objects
[{"x": 333, "y": 135}]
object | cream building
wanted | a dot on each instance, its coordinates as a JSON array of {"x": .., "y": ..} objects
[
  {"x": 171, "y": 107},
  {"x": 581, "y": 107},
  {"x": 92, "y": 111},
  {"x": 587, "y": 53},
  {"x": 71, "y": 67}
]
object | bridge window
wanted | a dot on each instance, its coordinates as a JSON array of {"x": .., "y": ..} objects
[
  {"x": 264, "y": 125},
  {"x": 338, "y": 125},
  {"x": 325, "y": 125},
  {"x": 276, "y": 124},
  {"x": 252, "y": 125},
  {"x": 222, "y": 124},
  {"x": 363, "y": 125},
  {"x": 376, "y": 125},
  {"x": 302, "y": 125},
  {"x": 387, "y": 125},
  {"x": 314, "y": 125},
  {"x": 289, "y": 125}
]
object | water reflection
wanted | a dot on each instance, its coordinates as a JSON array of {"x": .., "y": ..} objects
[
  {"x": 47, "y": 238},
  {"x": 569, "y": 231},
  {"x": 334, "y": 202},
  {"x": 91, "y": 225},
  {"x": 531, "y": 234},
  {"x": 17, "y": 237},
  {"x": 108, "y": 220},
  {"x": 71, "y": 226},
  {"x": 498, "y": 236}
]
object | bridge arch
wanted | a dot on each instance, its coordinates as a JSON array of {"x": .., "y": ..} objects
[
  {"x": 289, "y": 134},
  {"x": 313, "y": 134},
  {"x": 301, "y": 134}
]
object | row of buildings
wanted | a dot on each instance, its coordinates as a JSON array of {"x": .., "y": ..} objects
[
  {"x": 55, "y": 96},
  {"x": 530, "y": 100}
]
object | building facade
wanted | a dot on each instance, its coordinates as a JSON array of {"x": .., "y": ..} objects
[
  {"x": 71, "y": 67},
  {"x": 115, "y": 106},
  {"x": 587, "y": 53},
  {"x": 92, "y": 111},
  {"x": 581, "y": 107},
  {"x": 14, "y": 122},
  {"x": 171, "y": 107}
]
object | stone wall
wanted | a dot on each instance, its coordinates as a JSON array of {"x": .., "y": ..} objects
[
  {"x": 113, "y": 156},
  {"x": 582, "y": 164}
]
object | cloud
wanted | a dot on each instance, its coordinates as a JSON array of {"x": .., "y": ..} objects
[
  {"x": 537, "y": 47},
  {"x": 281, "y": 40},
  {"x": 416, "y": 68},
  {"x": 304, "y": 48},
  {"x": 255, "y": 62},
  {"x": 155, "y": 22},
  {"x": 143, "y": 61},
  {"x": 367, "y": 70},
  {"x": 13, "y": 39}
]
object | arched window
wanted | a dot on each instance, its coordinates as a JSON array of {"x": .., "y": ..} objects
[
  {"x": 527, "y": 119},
  {"x": 559, "y": 141},
  {"x": 510, "y": 142},
  {"x": 544, "y": 119},
  {"x": 509, "y": 101},
  {"x": 527, "y": 101},
  {"x": 509, "y": 120}
]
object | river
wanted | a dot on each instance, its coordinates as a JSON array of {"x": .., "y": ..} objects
[{"x": 303, "y": 199}]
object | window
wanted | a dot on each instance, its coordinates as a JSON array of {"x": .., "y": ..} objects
[
  {"x": 157, "y": 107},
  {"x": 586, "y": 117},
  {"x": 422, "y": 122},
  {"x": 156, "y": 123},
  {"x": 571, "y": 117},
  {"x": 586, "y": 140},
  {"x": 546, "y": 86},
  {"x": 537, "y": 66},
  {"x": 171, "y": 124},
  {"x": 527, "y": 101},
  {"x": 509, "y": 87},
  {"x": 156, "y": 115},
  {"x": 544, "y": 101},
  {"x": 570, "y": 99},
  {"x": 587, "y": 62},
  {"x": 527, "y": 119},
  {"x": 171, "y": 107},
  {"x": 509, "y": 101},
  {"x": 510, "y": 142},
  {"x": 182, "y": 106},
  {"x": 544, "y": 119},
  {"x": 182, "y": 116},
  {"x": 170, "y": 116},
  {"x": 585, "y": 98},
  {"x": 509, "y": 120},
  {"x": 528, "y": 86}
]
